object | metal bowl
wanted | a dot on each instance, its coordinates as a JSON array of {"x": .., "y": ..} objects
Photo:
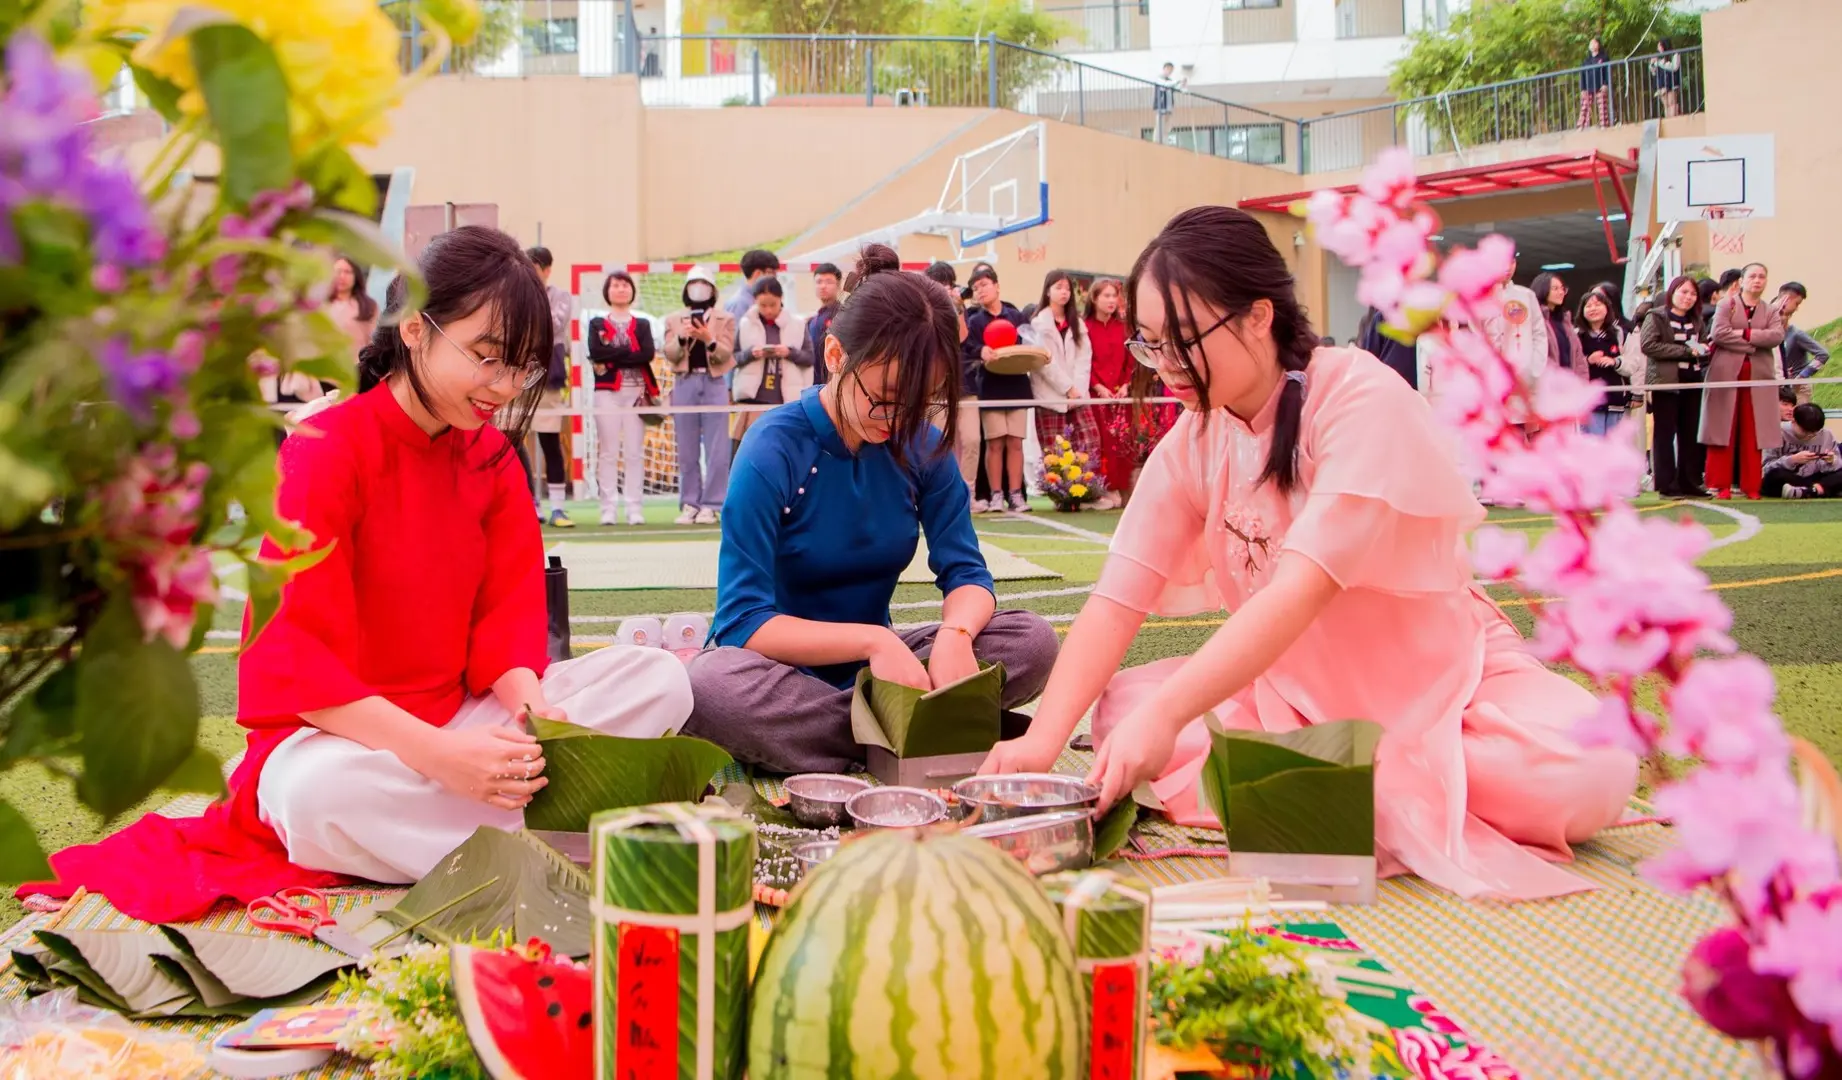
[
  {"x": 1044, "y": 843},
  {"x": 817, "y": 799},
  {"x": 1001, "y": 798},
  {"x": 814, "y": 852},
  {"x": 895, "y": 808}
]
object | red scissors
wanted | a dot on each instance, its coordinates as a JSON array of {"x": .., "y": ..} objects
[{"x": 293, "y": 910}]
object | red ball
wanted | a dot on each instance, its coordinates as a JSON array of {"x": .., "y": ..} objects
[{"x": 1000, "y": 334}]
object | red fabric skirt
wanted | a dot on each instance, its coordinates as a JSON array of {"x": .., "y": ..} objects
[{"x": 1076, "y": 425}]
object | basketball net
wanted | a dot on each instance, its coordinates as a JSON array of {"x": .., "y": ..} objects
[
  {"x": 1726, "y": 229},
  {"x": 1029, "y": 249}
]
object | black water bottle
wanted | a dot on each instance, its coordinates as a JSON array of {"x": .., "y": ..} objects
[{"x": 556, "y": 597}]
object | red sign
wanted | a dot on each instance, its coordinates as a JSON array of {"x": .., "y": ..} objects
[
  {"x": 646, "y": 1044},
  {"x": 1115, "y": 1018}
]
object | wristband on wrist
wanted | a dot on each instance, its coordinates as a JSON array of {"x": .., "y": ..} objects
[{"x": 945, "y": 627}]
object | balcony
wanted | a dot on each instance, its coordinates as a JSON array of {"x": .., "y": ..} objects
[
  {"x": 1371, "y": 18},
  {"x": 1115, "y": 27},
  {"x": 1258, "y": 22}
]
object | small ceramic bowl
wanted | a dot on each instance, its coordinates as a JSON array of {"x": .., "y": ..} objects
[
  {"x": 814, "y": 852},
  {"x": 895, "y": 808},
  {"x": 1001, "y": 798},
  {"x": 817, "y": 799}
]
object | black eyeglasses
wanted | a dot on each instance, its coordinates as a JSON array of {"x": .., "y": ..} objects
[
  {"x": 492, "y": 368},
  {"x": 1147, "y": 352},
  {"x": 890, "y": 410}
]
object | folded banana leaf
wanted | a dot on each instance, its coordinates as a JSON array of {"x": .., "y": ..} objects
[
  {"x": 495, "y": 881},
  {"x": 965, "y": 717},
  {"x": 1304, "y": 792},
  {"x": 590, "y": 772}
]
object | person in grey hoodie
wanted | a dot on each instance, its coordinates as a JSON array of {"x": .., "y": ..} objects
[{"x": 1807, "y": 462}]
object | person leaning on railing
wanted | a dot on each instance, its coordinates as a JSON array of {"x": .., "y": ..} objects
[{"x": 1666, "y": 78}]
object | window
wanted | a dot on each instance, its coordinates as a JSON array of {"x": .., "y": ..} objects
[
  {"x": 549, "y": 37},
  {"x": 1250, "y": 5},
  {"x": 1256, "y": 144}
]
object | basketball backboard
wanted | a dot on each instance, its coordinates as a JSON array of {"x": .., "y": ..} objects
[
  {"x": 1716, "y": 177},
  {"x": 1006, "y": 179}
]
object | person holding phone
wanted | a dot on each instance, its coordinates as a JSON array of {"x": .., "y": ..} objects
[
  {"x": 772, "y": 364},
  {"x": 700, "y": 346}
]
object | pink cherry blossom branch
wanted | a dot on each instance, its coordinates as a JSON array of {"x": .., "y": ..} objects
[{"x": 1623, "y": 600}]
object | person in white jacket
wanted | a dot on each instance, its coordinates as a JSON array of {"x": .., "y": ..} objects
[
  {"x": 1060, "y": 332},
  {"x": 1520, "y": 331},
  {"x": 773, "y": 357}
]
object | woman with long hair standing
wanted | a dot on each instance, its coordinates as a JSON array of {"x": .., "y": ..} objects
[
  {"x": 350, "y": 304},
  {"x": 1738, "y": 426},
  {"x": 1111, "y": 377},
  {"x": 385, "y": 696},
  {"x": 1060, "y": 331},
  {"x": 1678, "y": 357},
  {"x": 1596, "y": 86},
  {"x": 1602, "y": 335},
  {"x": 1310, "y": 493},
  {"x": 827, "y": 502},
  {"x": 620, "y": 351}
]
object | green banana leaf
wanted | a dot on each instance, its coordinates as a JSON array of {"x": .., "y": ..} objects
[
  {"x": 1304, "y": 792},
  {"x": 1113, "y": 830},
  {"x": 121, "y": 960},
  {"x": 965, "y": 717},
  {"x": 495, "y": 881},
  {"x": 590, "y": 772}
]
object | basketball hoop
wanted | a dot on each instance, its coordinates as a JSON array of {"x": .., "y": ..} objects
[
  {"x": 1028, "y": 251},
  {"x": 1726, "y": 228}
]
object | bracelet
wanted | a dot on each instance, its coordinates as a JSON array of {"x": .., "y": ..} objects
[{"x": 944, "y": 627}]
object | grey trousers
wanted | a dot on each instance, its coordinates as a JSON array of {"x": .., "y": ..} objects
[{"x": 776, "y": 716}]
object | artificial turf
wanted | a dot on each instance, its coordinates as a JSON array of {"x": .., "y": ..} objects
[{"x": 1784, "y": 585}]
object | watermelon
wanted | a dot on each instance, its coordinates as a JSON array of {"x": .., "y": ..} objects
[
  {"x": 529, "y": 1014},
  {"x": 922, "y": 955}
]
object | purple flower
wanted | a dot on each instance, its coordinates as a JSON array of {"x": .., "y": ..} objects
[{"x": 136, "y": 380}]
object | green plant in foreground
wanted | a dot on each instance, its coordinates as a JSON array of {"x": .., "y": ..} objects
[{"x": 409, "y": 1023}]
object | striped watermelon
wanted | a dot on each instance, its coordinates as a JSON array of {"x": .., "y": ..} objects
[{"x": 921, "y": 956}]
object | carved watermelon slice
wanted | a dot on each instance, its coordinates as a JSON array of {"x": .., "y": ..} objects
[{"x": 530, "y": 1014}]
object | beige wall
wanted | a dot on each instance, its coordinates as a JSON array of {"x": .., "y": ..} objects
[{"x": 1772, "y": 66}]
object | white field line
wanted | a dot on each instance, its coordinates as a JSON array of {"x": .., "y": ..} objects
[{"x": 1749, "y": 526}]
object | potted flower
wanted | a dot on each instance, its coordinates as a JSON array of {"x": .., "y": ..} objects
[{"x": 1067, "y": 478}]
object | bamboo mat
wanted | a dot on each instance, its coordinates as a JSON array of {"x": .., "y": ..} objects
[{"x": 1578, "y": 987}]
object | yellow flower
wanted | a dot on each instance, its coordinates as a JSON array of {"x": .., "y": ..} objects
[
  {"x": 1065, "y": 461},
  {"x": 1074, "y": 474},
  {"x": 339, "y": 57},
  {"x": 1081, "y": 459},
  {"x": 1061, "y": 443},
  {"x": 1078, "y": 490}
]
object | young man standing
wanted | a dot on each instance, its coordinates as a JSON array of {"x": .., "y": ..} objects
[
  {"x": 1005, "y": 429},
  {"x": 826, "y": 281},
  {"x": 1800, "y": 356},
  {"x": 1164, "y": 97}
]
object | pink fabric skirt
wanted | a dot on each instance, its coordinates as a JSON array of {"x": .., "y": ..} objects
[{"x": 1526, "y": 790}]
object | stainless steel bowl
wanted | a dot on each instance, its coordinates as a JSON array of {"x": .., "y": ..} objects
[
  {"x": 1044, "y": 843},
  {"x": 814, "y": 852},
  {"x": 895, "y": 808},
  {"x": 817, "y": 799},
  {"x": 1001, "y": 798}
]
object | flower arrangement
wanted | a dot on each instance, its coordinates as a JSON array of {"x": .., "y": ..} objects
[
  {"x": 137, "y": 463},
  {"x": 1625, "y": 603},
  {"x": 1252, "y": 999},
  {"x": 409, "y": 1023},
  {"x": 1067, "y": 479}
]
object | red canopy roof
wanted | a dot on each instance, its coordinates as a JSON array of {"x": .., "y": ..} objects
[{"x": 1497, "y": 179}]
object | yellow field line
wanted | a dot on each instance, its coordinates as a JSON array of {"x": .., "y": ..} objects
[{"x": 1552, "y": 517}]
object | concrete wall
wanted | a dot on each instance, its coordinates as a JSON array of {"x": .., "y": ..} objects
[{"x": 1772, "y": 66}]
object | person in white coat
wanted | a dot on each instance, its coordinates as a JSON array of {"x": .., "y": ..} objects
[
  {"x": 1519, "y": 331},
  {"x": 773, "y": 359},
  {"x": 1060, "y": 332}
]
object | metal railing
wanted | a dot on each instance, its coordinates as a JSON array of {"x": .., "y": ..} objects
[
  {"x": 1258, "y": 22},
  {"x": 1104, "y": 27},
  {"x": 1642, "y": 87},
  {"x": 1371, "y": 18}
]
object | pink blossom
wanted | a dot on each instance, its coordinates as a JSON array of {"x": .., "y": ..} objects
[
  {"x": 1744, "y": 824},
  {"x": 1805, "y": 946},
  {"x": 1720, "y": 983},
  {"x": 224, "y": 272},
  {"x": 1495, "y": 553},
  {"x": 168, "y": 590},
  {"x": 1721, "y": 712},
  {"x": 189, "y": 349},
  {"x": 1614, "y": 723},
  {"x": 263, "y": 366},
  {"x": 108, "y": 278},
  {"x": 184, "y": 425},
  {"x": 1391, "y": 181},
  {"x": 1473, "y": 275},
  {"x": 1563, "y": 397}
]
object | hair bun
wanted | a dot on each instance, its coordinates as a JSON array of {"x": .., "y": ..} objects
[{"x": 872, "y": 260}]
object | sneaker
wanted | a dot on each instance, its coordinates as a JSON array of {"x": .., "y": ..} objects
[
  {"x": 996, "y": 505},
  {"x": 978, "y": 506},
  {"x": 560, "y": 520},
  {"x": 607, "y": 518},
  {"x": 1724, "y": 494},
  {"x": 686, "y": 516},
  {"x": 636, "y": 516},
  {"x": 1019, "y": 504},
  {"x": 1792, "y": 491},
  {"x": 706, "y": 516}
]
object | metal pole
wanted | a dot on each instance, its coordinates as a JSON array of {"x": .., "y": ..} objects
[
  {"x": 869, "y": 76},
  {"x": 755, "y": 62},
  {"x": 629, "y": 40},
  {"x": 415, "y": 38},
  {"x": 1081, "y": 91},
  {"x": 991, "y": 46}
]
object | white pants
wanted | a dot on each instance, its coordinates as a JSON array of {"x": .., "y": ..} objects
[
  {"x": 619, "y": 432},
  {"x": 341, "y": 807}
]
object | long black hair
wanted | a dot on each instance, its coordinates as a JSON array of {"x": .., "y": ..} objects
[
  {"x": 1222, "y": 257},
  {"x": 1614, "y": 318},
  {"x": 464, "y": 270},
  {"x": 893, "y": 314},
  {"x": 367, "y": 307},
  {"x": 1073, "y": 311}
]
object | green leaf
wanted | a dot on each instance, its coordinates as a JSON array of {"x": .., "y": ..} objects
[
  {"x": 21, "y": 857},
  {"x": 256, "y": 966},
  {"x": 1309, "y": 791},
  {"x": 341, "y": 181},
  {"x": 337, "y": 369},
  {"x": 162, "y": 94},
  {"x": 1114, "y": 829},
  {"x": 43, "y": 723},
  {"x": 200, "y": 772},
  {"x": 460, "y": 21},
  {"x": 265, "y": 580},
  {"x": 137, "y": 711},
  {"x": 965, "y": 717},
  {"x": 121, "y": 960},
  {"x": 247, "y": 97},
  {"x": 590, "y": 772},
  {"x": 351, "y": 235}
]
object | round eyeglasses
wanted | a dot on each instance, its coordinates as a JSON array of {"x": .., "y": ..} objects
[
  {"x": 1147, "y": 352},
  {"x": 524, "y": 376}
]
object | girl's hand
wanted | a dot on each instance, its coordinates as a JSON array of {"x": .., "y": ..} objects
[
  {"x": 1027, "y": 753},
  {"x": 500, "y": 765},
  {"x": 1136, "y": 751},
  {"x": 986, "y": 353},
  {"x": 892, "y": 661},
  {"x": 951, "y": 659},
  {"x": 1102, "y": 392}
]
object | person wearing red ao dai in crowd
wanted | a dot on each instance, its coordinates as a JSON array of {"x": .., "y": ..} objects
[
  {"x": 1310, "y": 492},
  {"x": 384, "y": 697}
]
